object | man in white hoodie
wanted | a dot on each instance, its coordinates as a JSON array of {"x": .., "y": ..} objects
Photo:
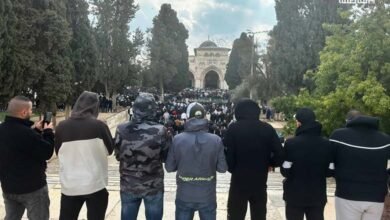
[{"x": 82, "y": 144}]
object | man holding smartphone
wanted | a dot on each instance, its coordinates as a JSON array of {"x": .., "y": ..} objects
[{"x": 24, "y": 149}]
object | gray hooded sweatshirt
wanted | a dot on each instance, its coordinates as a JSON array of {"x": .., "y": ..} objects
[{"x": 196, "y": 155}]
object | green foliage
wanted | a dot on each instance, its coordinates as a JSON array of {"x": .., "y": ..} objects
[
  {"x": 239, "y": 64},
  {"x": 265, "y": 80},
  {"x": 35, "y": 40},
  {"x": 297, "y": 39},
  {"x": 117, "y": 49},
  {"x": 168, "y": 50},
  {"x": 285, "y": 104},
  {"x": 83, "y": 51},
  {"x": 353, "y": 73},
  {"x": 54, "y": 76}
]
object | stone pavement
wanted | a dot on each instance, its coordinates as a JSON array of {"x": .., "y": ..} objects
[{"x": 275, "y": 201}]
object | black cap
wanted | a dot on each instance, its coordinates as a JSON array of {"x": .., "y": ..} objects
[
  {"x": 195, "y": 109},
  {"x": 305, "y": 115}
]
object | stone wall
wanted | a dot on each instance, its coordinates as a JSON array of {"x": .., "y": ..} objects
[{"x": 114, "y": 120}]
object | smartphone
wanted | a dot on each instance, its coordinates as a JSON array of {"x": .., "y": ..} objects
[{"x": 47, "y": 117}]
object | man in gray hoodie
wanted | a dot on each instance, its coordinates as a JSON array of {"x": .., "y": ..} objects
[{"x": 196, "y": 155}]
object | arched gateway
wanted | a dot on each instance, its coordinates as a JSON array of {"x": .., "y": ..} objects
[{"x": 208, "y": 66}]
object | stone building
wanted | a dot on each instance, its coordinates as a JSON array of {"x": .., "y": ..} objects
[{"x": 208, "y": 66}]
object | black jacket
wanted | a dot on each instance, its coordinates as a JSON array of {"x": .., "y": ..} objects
[
  {"x": 310, "y": 156},
  {"x": 23, "y": 155},
  {"x": 361, "y": 155},
  {"x": 251, "y": 147}
]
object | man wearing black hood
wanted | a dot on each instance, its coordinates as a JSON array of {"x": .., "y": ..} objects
[
  {"x": 252, "y": 146},
  {"x": 308, "y": 161},
  {"x": 82, "y": 144},
  {"x": 361, "y": 156},
  {"x": 141, "y": 146}
]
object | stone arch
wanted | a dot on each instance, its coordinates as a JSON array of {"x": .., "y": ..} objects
[
  {"x": 212, "y": 80},
  {"x": 191, "y": 79},
  {"x": 214, "y": 68}
]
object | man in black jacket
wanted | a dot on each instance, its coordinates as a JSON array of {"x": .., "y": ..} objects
[
  {"x": 361, "y": 156},
  {"x": 23, "y": 155},
  {"x": 308, "y": 161},
  {"x": 252, "y": 147}
]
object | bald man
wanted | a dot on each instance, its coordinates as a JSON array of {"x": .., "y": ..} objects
[{"x": 24, "y": 149}]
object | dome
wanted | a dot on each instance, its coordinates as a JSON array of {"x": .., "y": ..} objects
[{"x": 208, "y": 44}]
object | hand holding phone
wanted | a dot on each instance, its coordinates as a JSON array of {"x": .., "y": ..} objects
[{"x": 47, "y": 118}]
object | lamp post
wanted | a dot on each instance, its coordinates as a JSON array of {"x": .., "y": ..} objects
[{"x": 252, "y": 36}]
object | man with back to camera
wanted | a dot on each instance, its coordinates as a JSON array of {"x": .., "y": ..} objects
[
  {"x": 252, "y": 146},
  {"x": 141, "y": 146},
  {"x": 361, "y": 155},
  {"x": 23, "y": 155},
  {"x": 82, "y": 144},
  {"x": 307, "y": 163},
  {"x": 196, "y": 155}
]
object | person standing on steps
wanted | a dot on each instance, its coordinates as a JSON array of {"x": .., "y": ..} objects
[
  {"x": 252, "y": 146},
  {"x": 141, "y": 147},
  {"x": 24, "y": 149},
  {"x": 83, "y": 144},
  {"x": 196, "y": 156}
]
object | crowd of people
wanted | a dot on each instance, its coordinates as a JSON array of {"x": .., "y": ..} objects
[{"x": 356, "y": 156}]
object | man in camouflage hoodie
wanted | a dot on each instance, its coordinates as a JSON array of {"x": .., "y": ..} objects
[{"x": 141, "y": 146}]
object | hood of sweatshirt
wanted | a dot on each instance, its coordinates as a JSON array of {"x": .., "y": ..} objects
[
  {"x": 313, "y": 128},
  {"x": 195, "y": 124},
  {"x": 247, "y": 109},
  {"x": 87, "y": 106},
  {"x": 144, "y": 108},
  {"x": 364, "y": 121}
]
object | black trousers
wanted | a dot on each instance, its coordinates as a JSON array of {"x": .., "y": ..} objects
[
  {"x": 238, "y": 204},
  {"x": 96, "y": 205},
  {"x": 311, "y": 212}
]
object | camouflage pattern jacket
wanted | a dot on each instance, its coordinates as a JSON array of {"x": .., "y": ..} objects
[{"x": 141, "y": 149}]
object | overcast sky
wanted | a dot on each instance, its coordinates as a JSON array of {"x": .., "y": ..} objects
[{"x": 222, "y": 20}]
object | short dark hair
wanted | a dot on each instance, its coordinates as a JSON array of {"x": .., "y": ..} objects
[
  {"x": 16, "y": 104},
  {"x": 21, "y": 98},
  {"x": 352, "y": 114}
]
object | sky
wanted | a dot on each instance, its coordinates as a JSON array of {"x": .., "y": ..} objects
[{"x": 221, "y": 21}]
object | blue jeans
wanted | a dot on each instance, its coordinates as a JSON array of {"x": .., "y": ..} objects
[
  {"x": 153, "y": 206},
  {"x": 37, "y": 204},
  {"x": 186, "y": 210}
]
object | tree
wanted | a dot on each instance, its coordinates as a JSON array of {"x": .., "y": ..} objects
[
  {"x": 36, "y": 61},
  {"x": 298, "y": 38},
  {"x": 265, "y": 80},
  {"x": 116, "y": 52},
  {"x": 10, "y": 77},
  {"x": 239, "y": 65},
  {"x": 83, "y": 51},
  {"x": 168, "y": 50},
  {"x": 354, "y": 72},
  {"x": 54, "y": 75}
]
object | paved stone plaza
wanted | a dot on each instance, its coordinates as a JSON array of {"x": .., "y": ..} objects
[{"x": 275, "y": 202}]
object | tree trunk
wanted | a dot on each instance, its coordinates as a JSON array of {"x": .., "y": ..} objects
[
  {"x": 68, "y": 108},
  {"x": 161, "y": 88},
  {"x": 114, "y": 107},
  {"x": 107, "y": 93},
  {"x": 53, "y": 108}
]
